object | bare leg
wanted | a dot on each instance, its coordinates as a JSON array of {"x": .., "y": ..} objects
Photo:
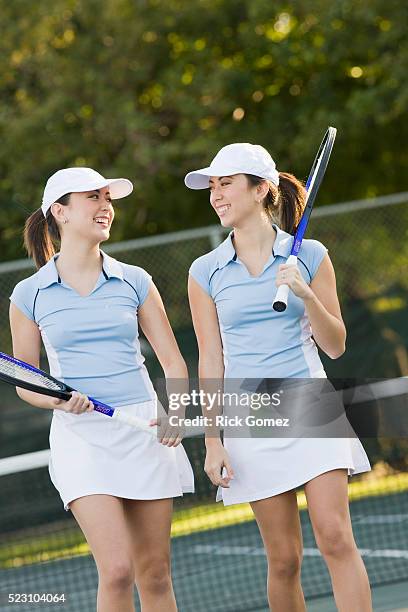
[
  {"x": 279, "y": 524},
  {"x": 327, "y": 499},
  {"x": 149, "y": 523},
  {"x": 102, "y": 520}
]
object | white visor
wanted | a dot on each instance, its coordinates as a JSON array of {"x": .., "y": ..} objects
[
  {"x": 74, "y": 180},
  {"x": 236, "y": 158}
]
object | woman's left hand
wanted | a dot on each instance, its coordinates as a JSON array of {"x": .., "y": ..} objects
[{"x": 291, "y": 276}]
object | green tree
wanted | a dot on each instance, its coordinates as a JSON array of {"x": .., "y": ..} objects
[{"x": 150, "y": 89}]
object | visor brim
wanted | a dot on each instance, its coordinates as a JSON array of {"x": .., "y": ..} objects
[
  {"x": 119, "y": 188},
  {"x": 199, "y": 179}
]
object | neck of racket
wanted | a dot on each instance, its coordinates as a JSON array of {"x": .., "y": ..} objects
[
  {"x": 325, "y": 148},
  {"x": 312, "y": 186}
]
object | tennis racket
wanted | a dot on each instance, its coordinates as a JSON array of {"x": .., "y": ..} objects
[
  {"x": 20, "y": 374},
  {"x": 312, "y": 187}
]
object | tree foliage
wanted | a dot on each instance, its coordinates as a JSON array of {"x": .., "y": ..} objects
[{"x": 150, "y": 89}]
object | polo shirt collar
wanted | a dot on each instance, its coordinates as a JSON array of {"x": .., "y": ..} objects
[
  {"x": 226, "y": 251},
  {"x": 111, "y": 267},
  {"x": 283, "y": 242},
  {"x": 282, "y": 246},
  {"x": 48, "y": 274}
]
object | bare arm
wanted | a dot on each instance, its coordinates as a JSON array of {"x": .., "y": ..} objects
[
  {"x": 322, "y": 305},
  {"x": 205, "y": 322},
  {"x": 323, "y": 310},
  {"x": 26, "y": 346},
  {"x": 156, "y": 327},
  {"x": 211, "y": 373}
]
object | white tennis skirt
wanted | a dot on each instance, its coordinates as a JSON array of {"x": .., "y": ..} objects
[
  {"x": 94, "y": 454},
  {"x": 264, "y": 467},
  {"x": 267, "y": 466}
]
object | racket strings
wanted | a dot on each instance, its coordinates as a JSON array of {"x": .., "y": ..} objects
[{"x": 19, "y": 372}]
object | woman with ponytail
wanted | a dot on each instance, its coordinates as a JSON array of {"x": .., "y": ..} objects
[
  {"x": 87, "y": 308},
  {"x": 243, "y": 341}
]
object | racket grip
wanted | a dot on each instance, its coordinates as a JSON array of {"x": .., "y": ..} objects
[
  {"x": 281, "y": 298},
  {"x": 135, "y": 421}
]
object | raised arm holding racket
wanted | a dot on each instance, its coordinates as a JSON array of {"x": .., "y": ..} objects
[{"x": 312, "y": 186}]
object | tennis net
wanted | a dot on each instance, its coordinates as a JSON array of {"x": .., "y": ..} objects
[{"x": 218, "y": 561}]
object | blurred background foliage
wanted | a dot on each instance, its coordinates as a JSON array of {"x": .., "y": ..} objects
[{"x": 149, "y": 89}]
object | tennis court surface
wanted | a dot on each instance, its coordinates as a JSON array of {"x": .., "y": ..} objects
[{"x": 218, "y": 559}]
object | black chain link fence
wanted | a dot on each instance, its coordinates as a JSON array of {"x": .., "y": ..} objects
[{"x": 368, "y": 244}]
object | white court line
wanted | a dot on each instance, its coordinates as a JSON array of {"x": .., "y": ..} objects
[
  {"x": 258, "y": 551},
  {"x": 380, "y": 519}
]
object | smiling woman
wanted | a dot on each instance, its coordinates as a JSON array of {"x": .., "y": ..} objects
[
  {"x": 43, "y": 227},
  {"x": 244, "y": 343},
  {"x": 87, "y": 307}
]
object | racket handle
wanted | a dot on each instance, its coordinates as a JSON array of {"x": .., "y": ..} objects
[
  {"x": 135, "y": 421},
  {"x": 281, "y": 298}
]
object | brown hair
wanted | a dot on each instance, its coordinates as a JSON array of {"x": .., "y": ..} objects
[
  {"x": 41, "y": 234},
  {"x": 284, "y": 205}
]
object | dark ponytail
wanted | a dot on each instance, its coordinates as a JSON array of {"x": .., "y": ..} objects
[
  {"x": 292, "y": 194},
  {"x": 41, "y": 234},
  {"x": 284, "y": 205}
]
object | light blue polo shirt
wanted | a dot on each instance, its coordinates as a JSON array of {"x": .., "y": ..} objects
[
  {"x": 92, "y": 343},
  {"x": 257, "y": 341}
]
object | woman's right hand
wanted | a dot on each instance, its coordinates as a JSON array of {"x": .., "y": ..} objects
[
  {"x": 217, "y": 464},
  {"x": 78, "y": 403}
]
